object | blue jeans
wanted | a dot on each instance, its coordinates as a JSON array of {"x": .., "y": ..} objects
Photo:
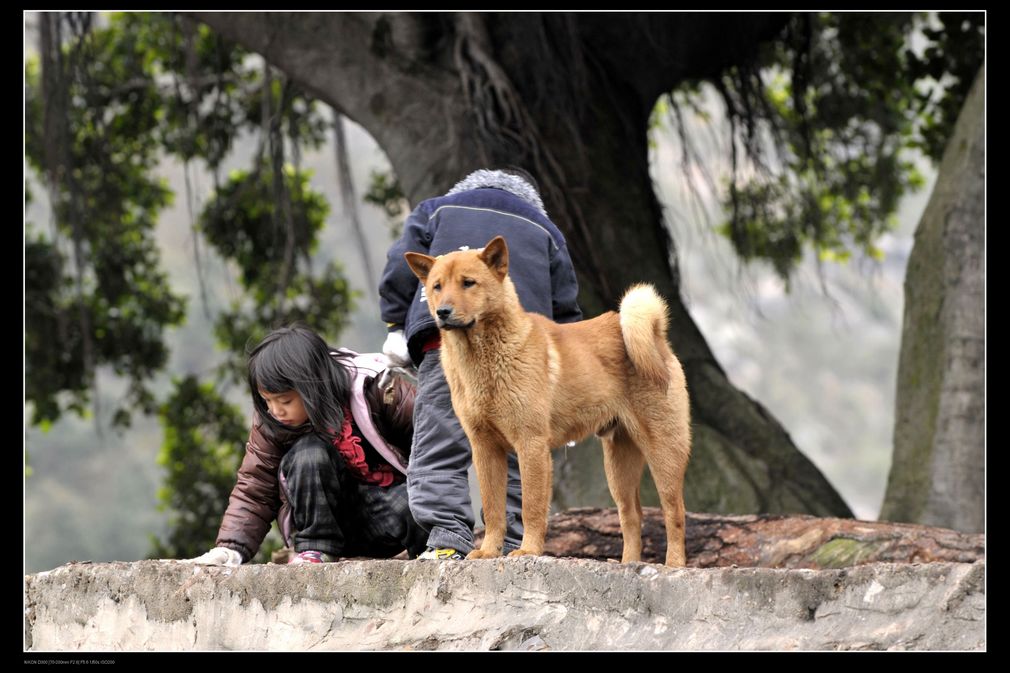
[{"x": 437, "y": 483}]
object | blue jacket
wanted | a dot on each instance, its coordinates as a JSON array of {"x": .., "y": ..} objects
[{"x": 539, "y": 264}]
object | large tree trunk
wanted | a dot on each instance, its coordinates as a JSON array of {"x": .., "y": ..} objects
[
  {"x": 568, "y": 96},
  {"x": 938, "y": 472}
]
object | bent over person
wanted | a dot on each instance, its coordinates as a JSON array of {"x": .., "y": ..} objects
[{"x": 327, "y": 456}]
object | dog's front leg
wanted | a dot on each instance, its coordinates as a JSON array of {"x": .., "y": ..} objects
[
  {"x": 491, "y": 464},
  {"x": 535, "y": 470}
]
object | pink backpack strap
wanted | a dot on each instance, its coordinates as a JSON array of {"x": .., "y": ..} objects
[{"x": 363, "y": 367}]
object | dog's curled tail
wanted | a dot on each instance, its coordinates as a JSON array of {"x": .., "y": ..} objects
[{"x": 644, "y": 323}]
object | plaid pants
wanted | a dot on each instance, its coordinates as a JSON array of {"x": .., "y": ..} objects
[{"x": 338, "y": 514}]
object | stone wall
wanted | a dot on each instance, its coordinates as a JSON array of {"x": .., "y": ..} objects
[{"x": 530, "y": 603}]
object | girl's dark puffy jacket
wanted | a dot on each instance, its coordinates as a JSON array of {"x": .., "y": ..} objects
[{"x": 258, "y": 498}]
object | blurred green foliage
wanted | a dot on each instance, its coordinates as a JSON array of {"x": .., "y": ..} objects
[
  {"x": 104, "y": 103},
  {"x": 824, "y": 123},
  {"x": 385, "y": 192},
  {"x": 203, "y": 447},
  {"x": 238, "y": 223}
]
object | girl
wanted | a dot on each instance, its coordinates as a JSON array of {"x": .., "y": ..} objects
[{"x": 326, "y": 456}]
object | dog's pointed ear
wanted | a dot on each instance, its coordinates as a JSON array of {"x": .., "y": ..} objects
[
  {"x": 496, "y": 255},
  {"x": 419, "y": 264}
]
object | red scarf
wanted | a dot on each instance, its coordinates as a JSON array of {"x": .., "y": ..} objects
[{"x": 349, "y": 446}]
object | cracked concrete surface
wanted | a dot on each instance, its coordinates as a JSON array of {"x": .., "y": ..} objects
[{"x": 529, "y": 603}]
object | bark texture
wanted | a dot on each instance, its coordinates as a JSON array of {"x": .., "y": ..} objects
[
  {"x": 763, "y": 541},
  {"x": 938, "y": 471}
]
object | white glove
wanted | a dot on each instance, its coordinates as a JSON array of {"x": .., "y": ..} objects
[
  {"x": 218, "y": 556},
  {"x": 395, "y": 349}
]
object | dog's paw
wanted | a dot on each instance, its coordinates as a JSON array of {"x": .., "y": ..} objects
[
  {"x": 480, "y": 553},
  {"x": 523, "y": 552}
]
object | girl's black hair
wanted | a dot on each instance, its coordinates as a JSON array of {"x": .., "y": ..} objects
[{"x": 296, "y": 358}]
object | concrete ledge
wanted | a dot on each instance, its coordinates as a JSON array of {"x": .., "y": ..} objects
[{"x": 527, "y": 603}]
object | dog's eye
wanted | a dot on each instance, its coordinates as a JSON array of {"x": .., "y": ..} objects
[
  {"x": 437, "y": 287},
  {"x": 469, "y": 282}
]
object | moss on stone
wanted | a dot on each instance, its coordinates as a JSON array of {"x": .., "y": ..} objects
[{"x": 842, "y": 552}]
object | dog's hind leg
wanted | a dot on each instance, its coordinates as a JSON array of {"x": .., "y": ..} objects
[
  {"x": 491, "y": 463},
  {"x": 667, "y": 453},
  {"x": 624, "y": 463},
  {"x": 535, "y": 469},
  {"x": 673, "y": 515}
]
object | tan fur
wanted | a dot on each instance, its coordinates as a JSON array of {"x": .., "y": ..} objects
[{"x": 522, "y": 382}]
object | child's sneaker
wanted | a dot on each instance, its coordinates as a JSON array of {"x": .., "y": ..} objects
[
  {"x": 312, "y": 557},
  {"x": 441, "y": 554}
]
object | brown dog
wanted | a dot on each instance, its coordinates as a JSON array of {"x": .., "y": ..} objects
[{"x": 520, "y": 381}]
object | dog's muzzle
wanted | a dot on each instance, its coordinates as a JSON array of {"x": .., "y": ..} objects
[{"x": 446, "y": 321}]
